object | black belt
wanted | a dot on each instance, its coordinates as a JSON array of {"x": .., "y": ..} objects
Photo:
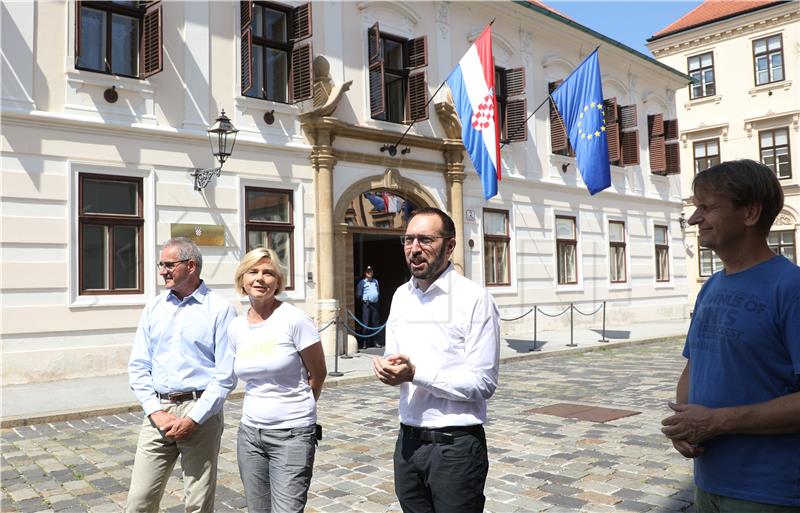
[
  {"x": 442, "y": 435},
  {"x": 179, "y": 397}
]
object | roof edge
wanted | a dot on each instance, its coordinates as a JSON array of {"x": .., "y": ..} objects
[
  {"x": 656, "y": 37},
  {"x": 602, "y": 37}
]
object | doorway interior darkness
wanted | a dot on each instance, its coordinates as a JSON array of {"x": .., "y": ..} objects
[{"x": 384, "y": 253}]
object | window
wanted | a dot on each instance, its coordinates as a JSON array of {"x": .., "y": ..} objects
[
  {"x": 512, "y": 106},
  {"x": 276, "y": 51},
  {"x": 118, "y": 38},
  {"x": 665, "y": 156},
  {"x": 495, "y": 247},
  {"x": 782, "y": 243},
  {"x": 559, "y": 142},
  {"x": 616, "y": 251},
  {"x": 566, "y": 250},
  {"x": 662, "y": 253},
  {"x": 768, "y": 59},
  {"x": 706, "y": 154},
  {"x": 709, "y": 262},
  {"x": 774, "y": 146},
  {"x": 701, "y": 70},
  {"x": 269, "y": 224},
  {"x": 398, "y": 88},
  {"x": 622, "y": 132},
  {"x": 110, "y": 237}
]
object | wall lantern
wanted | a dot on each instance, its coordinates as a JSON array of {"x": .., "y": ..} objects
[
  {"x": 682, "y": 221},
  {"x": 222, "y": 137}
]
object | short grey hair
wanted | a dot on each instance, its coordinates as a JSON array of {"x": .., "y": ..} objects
[{"x": 187, "y": 250}]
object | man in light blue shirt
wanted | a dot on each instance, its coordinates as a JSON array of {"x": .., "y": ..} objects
[
  {"x": 181, "y": 370},
  {"x": 368, "y": 295}
]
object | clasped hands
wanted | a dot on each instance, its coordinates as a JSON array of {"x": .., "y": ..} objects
[
  {"x": 393, "y": 369},
  {"x": 690, "y": 426},
  {"x": 179, "y": 428}
]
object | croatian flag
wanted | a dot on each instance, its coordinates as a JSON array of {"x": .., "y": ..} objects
[{"x": 472, "y": 87}]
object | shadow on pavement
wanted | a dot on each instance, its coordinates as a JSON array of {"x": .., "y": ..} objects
[
  {"x": 521, "y": 345},
  {"x": 615, "y": 334}
]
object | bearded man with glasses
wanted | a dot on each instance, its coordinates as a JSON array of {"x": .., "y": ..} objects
[
  {"x": 443, "y": 349},
  {"x": 181, "y": 370}
]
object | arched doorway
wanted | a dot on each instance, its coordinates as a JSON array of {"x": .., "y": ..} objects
[{"x": 371, "y": 215}]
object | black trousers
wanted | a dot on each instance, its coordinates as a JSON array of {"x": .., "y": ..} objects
[
  {"x": 371, "y": 317},
  {"x": 440, "y": 477}
]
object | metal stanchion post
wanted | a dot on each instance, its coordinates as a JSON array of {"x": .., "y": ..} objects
[
  {"x": 345, "y": 356},
  {"x": 604, "y": 339},
  {"x": 535, "y": 337},
  {"x": 571, "y": 326},
  {"x": 335, "y": 372}
]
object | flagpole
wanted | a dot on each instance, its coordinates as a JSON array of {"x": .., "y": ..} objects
[
  {"x": 395, "y": 145},
  {"x": 526, "y": 121}
]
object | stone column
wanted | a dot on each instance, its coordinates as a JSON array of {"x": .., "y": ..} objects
[
  {"x": 323, "y": 161},
  {"x": 454, "y": 156}
]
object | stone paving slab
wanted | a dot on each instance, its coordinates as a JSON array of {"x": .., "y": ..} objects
[{"x": 538, "y": 463}]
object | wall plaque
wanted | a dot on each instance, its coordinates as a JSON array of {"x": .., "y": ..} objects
[{"x": 201, "y": 234}]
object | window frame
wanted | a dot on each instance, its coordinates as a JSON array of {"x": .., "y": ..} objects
[
  {"x": 612, "y": 245},
  {"x": 767, "y": 53},
  {"x": 149, "y": 59},
  {"x": 110, "y": 220},
  {"x": 493, "y": 238},
  {"x": 781, "y": 245},
  {"x": 563, "y": 243},
  {"x": 701, "y": 70},
  {"x": 559, "y": 139},
  {"x": 715, "y": 261},
  {"x": 512, "y": 104},
  {"x": 774, "y": 149},
  {"x": 696, "y": 160},
  {"x": 661, "y": 248},
  {"x": 271, "y": 226}
]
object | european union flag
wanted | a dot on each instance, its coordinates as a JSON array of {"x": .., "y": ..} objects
[{"x": 579, "y": 101}]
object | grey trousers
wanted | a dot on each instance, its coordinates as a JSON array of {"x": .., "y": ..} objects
[
  {"x": 276, "y": 467},
  {"x": 156, "y": 456}
]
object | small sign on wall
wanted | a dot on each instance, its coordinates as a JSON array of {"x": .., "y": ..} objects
[
  {"x": 201, "y": 234},
  {"x": 469, "y": 216}
]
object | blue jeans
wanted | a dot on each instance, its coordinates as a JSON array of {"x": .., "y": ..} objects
[{"x": 276, "y": 467}]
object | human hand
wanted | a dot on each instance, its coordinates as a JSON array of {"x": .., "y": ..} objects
[
  {"x": 181, "y": 428},
  {"x": 162, "y": 419},
  {"x": 394, "y": 369},
  {"x": 686, "y": 449},
  {"x": 691, "y": 422}
]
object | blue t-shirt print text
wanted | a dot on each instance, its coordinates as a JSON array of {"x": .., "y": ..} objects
[{"x": 716, "y": 321}]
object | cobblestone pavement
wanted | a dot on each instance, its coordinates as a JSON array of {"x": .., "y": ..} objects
[{"x": 537, "y": 462}]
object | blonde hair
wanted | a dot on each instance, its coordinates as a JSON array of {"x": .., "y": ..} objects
[{"x": 250, "y": 260}]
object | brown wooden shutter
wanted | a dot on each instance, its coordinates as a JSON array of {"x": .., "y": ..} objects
[
  {"x": 301, "y": 76},
  {"x": 627, "y": 117},
  {"x": 558, "y": 135},
  {"x": 658, "y": 156},
  {"x": 630, "y": 147},
  {"x": 374, "y": 43},
  {"x": 672, "y": 146},
  {"x": 516, "y": 115},
  {"x": 151, "y": 47},
  {"x": 77, "y": 31},
  {"x": 417, "y": 53},
  {"x": 377, "y": 102},
  {"x": 246, "y": 14},
  {"x": 417, "y": 96},
  {"x": 612, "y": 130},
  {"x": 515, "y": 82},
  {"x": 301, "y": 22}
]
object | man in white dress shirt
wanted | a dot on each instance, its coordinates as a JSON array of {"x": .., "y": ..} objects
[{"x": 443, "y": 349}]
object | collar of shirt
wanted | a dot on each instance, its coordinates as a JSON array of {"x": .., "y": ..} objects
[
  {"x": 443, "y": 282},
  {"x": 198, "y": 295}
]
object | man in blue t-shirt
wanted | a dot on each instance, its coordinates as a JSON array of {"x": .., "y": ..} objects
[
  {"x": 368, "y": 295},
  {"x": 737, "y": 411}
]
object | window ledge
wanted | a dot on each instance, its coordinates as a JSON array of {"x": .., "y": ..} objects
[
  {"x": 258, "y": 104},
  {"x": 716, "y": 99},
  {"x": 660, "y": 285},
  {"x": 620, "y": 286},
  {"x": 85, "y": 98},
  {"x": 783, "y": 84},
  {"x": 92, "y": 301}
]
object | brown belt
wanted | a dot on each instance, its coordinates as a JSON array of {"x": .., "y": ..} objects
[{"x": 179, "y": 397}]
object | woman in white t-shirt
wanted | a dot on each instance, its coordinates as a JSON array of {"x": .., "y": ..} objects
[{"x": 279, "y": 356}]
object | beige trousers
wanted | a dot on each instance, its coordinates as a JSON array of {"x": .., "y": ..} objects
[{"x": 156, "y": 456}]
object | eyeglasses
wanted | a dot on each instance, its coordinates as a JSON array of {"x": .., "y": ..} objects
[
  {"x": 425, "y": 241},
  {"x": 170, "y": 266}
]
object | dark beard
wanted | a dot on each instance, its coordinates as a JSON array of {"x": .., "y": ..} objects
[{"x": 435, "y": 267}]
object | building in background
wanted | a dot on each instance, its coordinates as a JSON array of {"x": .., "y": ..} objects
[
  {"x": 105, "y": 108},
  {"x": 743, "y": 102}
]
